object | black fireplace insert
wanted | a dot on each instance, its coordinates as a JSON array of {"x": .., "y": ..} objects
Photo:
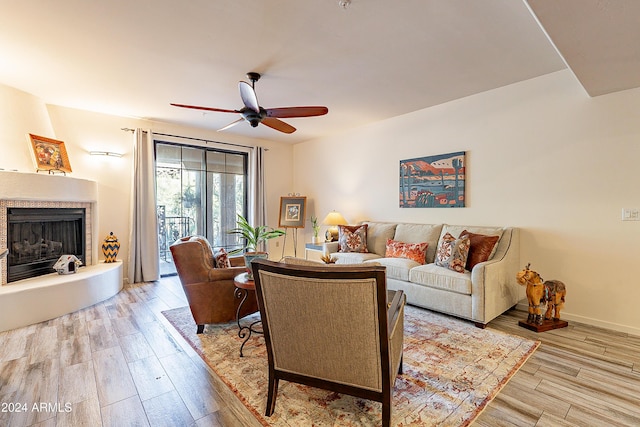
[{"x": 37, "y": 237}]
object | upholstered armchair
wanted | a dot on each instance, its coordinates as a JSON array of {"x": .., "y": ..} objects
[
  {"x": 336, "y": 328},
  {"x": 209, "y": 290}
]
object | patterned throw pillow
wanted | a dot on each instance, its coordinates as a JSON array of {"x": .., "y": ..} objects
[
  {"x": 414, "y": 251},
  {"x": 452, "y": 253},
  {"x": 481, "y": 248},
  {"x": 352, "y": 238},
  {"x": 221, "y": 259}
]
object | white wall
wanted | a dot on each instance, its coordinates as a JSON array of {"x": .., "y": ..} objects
[
  {"x": 541, "y": 156},
  {"x": 84, "y": 131}
]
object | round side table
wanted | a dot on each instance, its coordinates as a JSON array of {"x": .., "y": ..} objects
[{"x": 244, "y": 285}]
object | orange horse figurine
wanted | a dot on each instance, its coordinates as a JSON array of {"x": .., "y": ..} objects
[{"x": 551, "y": 292}]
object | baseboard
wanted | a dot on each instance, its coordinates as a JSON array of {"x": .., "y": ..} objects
[{"x": 523, "y": 306}]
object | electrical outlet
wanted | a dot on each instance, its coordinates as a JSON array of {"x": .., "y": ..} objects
[{"x": 630, "y": 214}]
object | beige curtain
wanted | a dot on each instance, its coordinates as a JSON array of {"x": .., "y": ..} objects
[
  {"x": 257, "y": 199},
  {"x": 144, "y": 264}
]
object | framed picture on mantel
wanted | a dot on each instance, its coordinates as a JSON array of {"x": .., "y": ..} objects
[{"x": 49, "y": 154}]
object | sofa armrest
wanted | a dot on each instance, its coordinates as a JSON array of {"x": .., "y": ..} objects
[
  {"x": 493, "y": 283},
  {"x": 331, "y": 247}
]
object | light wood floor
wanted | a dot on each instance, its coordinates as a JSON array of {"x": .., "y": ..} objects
[{"x": 119, "y": 363}]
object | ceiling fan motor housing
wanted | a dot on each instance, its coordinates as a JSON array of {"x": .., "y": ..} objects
[{"x": 254, "y": 118}]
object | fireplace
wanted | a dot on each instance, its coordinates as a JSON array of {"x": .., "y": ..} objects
[{"x": 37, "y": 237}]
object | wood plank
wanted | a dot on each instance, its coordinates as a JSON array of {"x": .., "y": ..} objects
[
  {"x": 77, "y": 383},
  {"x": 135, "y": 346},
  {"x": 82, "y": 414},
  {"x": 101, "y": 334},
  {"x": 127, "y": 412},
  {"x": 167, "y": 410},
  {"x": 113, "y": 380},
  {"x": 150, "y": 378},
  {"x": 192, "y": 383}
]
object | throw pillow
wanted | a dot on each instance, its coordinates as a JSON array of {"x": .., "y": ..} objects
[
  {"x": 481, "y": 247},
  {"x": 414, "y": 251},
  {"x": 452, "y": 253},
  {"x": 352, "y": 238},
  {"x": 221, "y": 259}
]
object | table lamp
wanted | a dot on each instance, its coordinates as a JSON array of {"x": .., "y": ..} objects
[{"x": 333, "y": 220}]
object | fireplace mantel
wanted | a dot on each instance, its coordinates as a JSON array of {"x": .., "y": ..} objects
[{"x": 47, "y": 187}]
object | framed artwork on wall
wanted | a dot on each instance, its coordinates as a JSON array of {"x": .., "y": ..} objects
[
  {"x": 49, "y": 154},
  {"x": 433, "y": 181},
  {"x": 292, "y": 211}
]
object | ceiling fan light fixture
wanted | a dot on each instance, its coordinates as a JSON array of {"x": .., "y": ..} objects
[{"x": 344, "y": 3}]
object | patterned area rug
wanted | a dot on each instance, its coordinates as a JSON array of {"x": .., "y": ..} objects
[{"x": 452, "y": 370}]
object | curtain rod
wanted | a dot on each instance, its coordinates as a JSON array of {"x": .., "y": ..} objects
[{"x": 193, "y": 139}]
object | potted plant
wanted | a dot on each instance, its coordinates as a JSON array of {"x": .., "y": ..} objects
[
  {"x": 316, "y": 229},
  {"x": 253, "y": 237}
]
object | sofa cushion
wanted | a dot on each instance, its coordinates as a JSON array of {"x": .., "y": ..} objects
[
  {"x": 419, "y": 233},
  {"x": 482, "y": 246},
  {"x": 377, "y": 235},
  {"x": 352, "y": 238},
  {"x": 434, "y": 276},
  {"x": 452, "y": 253},
  {"x": 221, "y": 259},
  {"x": 397, "y": 268},
  {"x": 413, "y": 251},
  {"x": 354, "y": 257}
]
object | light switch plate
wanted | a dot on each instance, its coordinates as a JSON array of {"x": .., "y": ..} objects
[{"x": 630, "y": 214}]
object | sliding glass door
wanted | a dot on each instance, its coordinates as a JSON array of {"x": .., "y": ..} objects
[{"x": 199, "y": 191}]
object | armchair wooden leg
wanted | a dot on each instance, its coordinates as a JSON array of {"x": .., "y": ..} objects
[
  {"x": 386, "y": 413},
  {"x": 200, "y": 329},
  {"x": 271, "y": 395}
]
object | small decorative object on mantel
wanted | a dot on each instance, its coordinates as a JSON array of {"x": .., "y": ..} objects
[
  {"x": 67, "y": 264},
  {"x": 539, "y": 292},
  {"x": 110, "y": 248},
  {"x": 49, "y": 155}
]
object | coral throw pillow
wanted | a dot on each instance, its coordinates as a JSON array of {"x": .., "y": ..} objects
[
  {"x": 221, "y": 259},
  {"x": 352, "y": 238},
  {"x": 452, "y": 253},
  {"x": 481, "y": 248},
  {"x": 414, "y": 251}
]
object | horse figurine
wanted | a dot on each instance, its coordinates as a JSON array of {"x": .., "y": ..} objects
[{"x": 551, "y": 292}]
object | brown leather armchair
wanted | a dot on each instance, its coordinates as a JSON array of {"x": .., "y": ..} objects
[
  {"x": 336, "y": 328},
  {"x": 209, "y": 290}
]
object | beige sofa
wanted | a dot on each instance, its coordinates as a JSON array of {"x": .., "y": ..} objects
[{"x": 479, "y": 295}]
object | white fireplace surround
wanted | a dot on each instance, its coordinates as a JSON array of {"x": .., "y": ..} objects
[{"x": 42, "y": 298}]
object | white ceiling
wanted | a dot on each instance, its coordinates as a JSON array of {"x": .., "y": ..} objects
[{"x": 373, "y": 60}]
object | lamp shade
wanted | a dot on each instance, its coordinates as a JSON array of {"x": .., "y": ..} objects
[{"x": 334, "y": 218}]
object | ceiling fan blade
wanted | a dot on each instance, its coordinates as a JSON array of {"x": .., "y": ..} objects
[
  {"x": 248, "y": 96},
  {"x": 277, "y": 124},
  {"x": 232, "y": 124},
  {"x": 195, "y": 107},
  {"x": 284, "y": 112}
]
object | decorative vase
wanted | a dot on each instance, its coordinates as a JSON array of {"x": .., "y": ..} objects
[
  {"x": 110, "y": 248},
  {"x": 250, "y": 256},
  {"x": 316, "y": 239}
]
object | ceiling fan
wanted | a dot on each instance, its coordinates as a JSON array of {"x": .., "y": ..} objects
[{"x": 253, "y": 113}]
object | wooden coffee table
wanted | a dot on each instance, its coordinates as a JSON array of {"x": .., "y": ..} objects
[{"x": 244, "y": 285}]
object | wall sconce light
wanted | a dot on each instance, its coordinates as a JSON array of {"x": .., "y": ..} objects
[
  {"x": 105, "y": 153},
  {"x": 333, "y": 220}
]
